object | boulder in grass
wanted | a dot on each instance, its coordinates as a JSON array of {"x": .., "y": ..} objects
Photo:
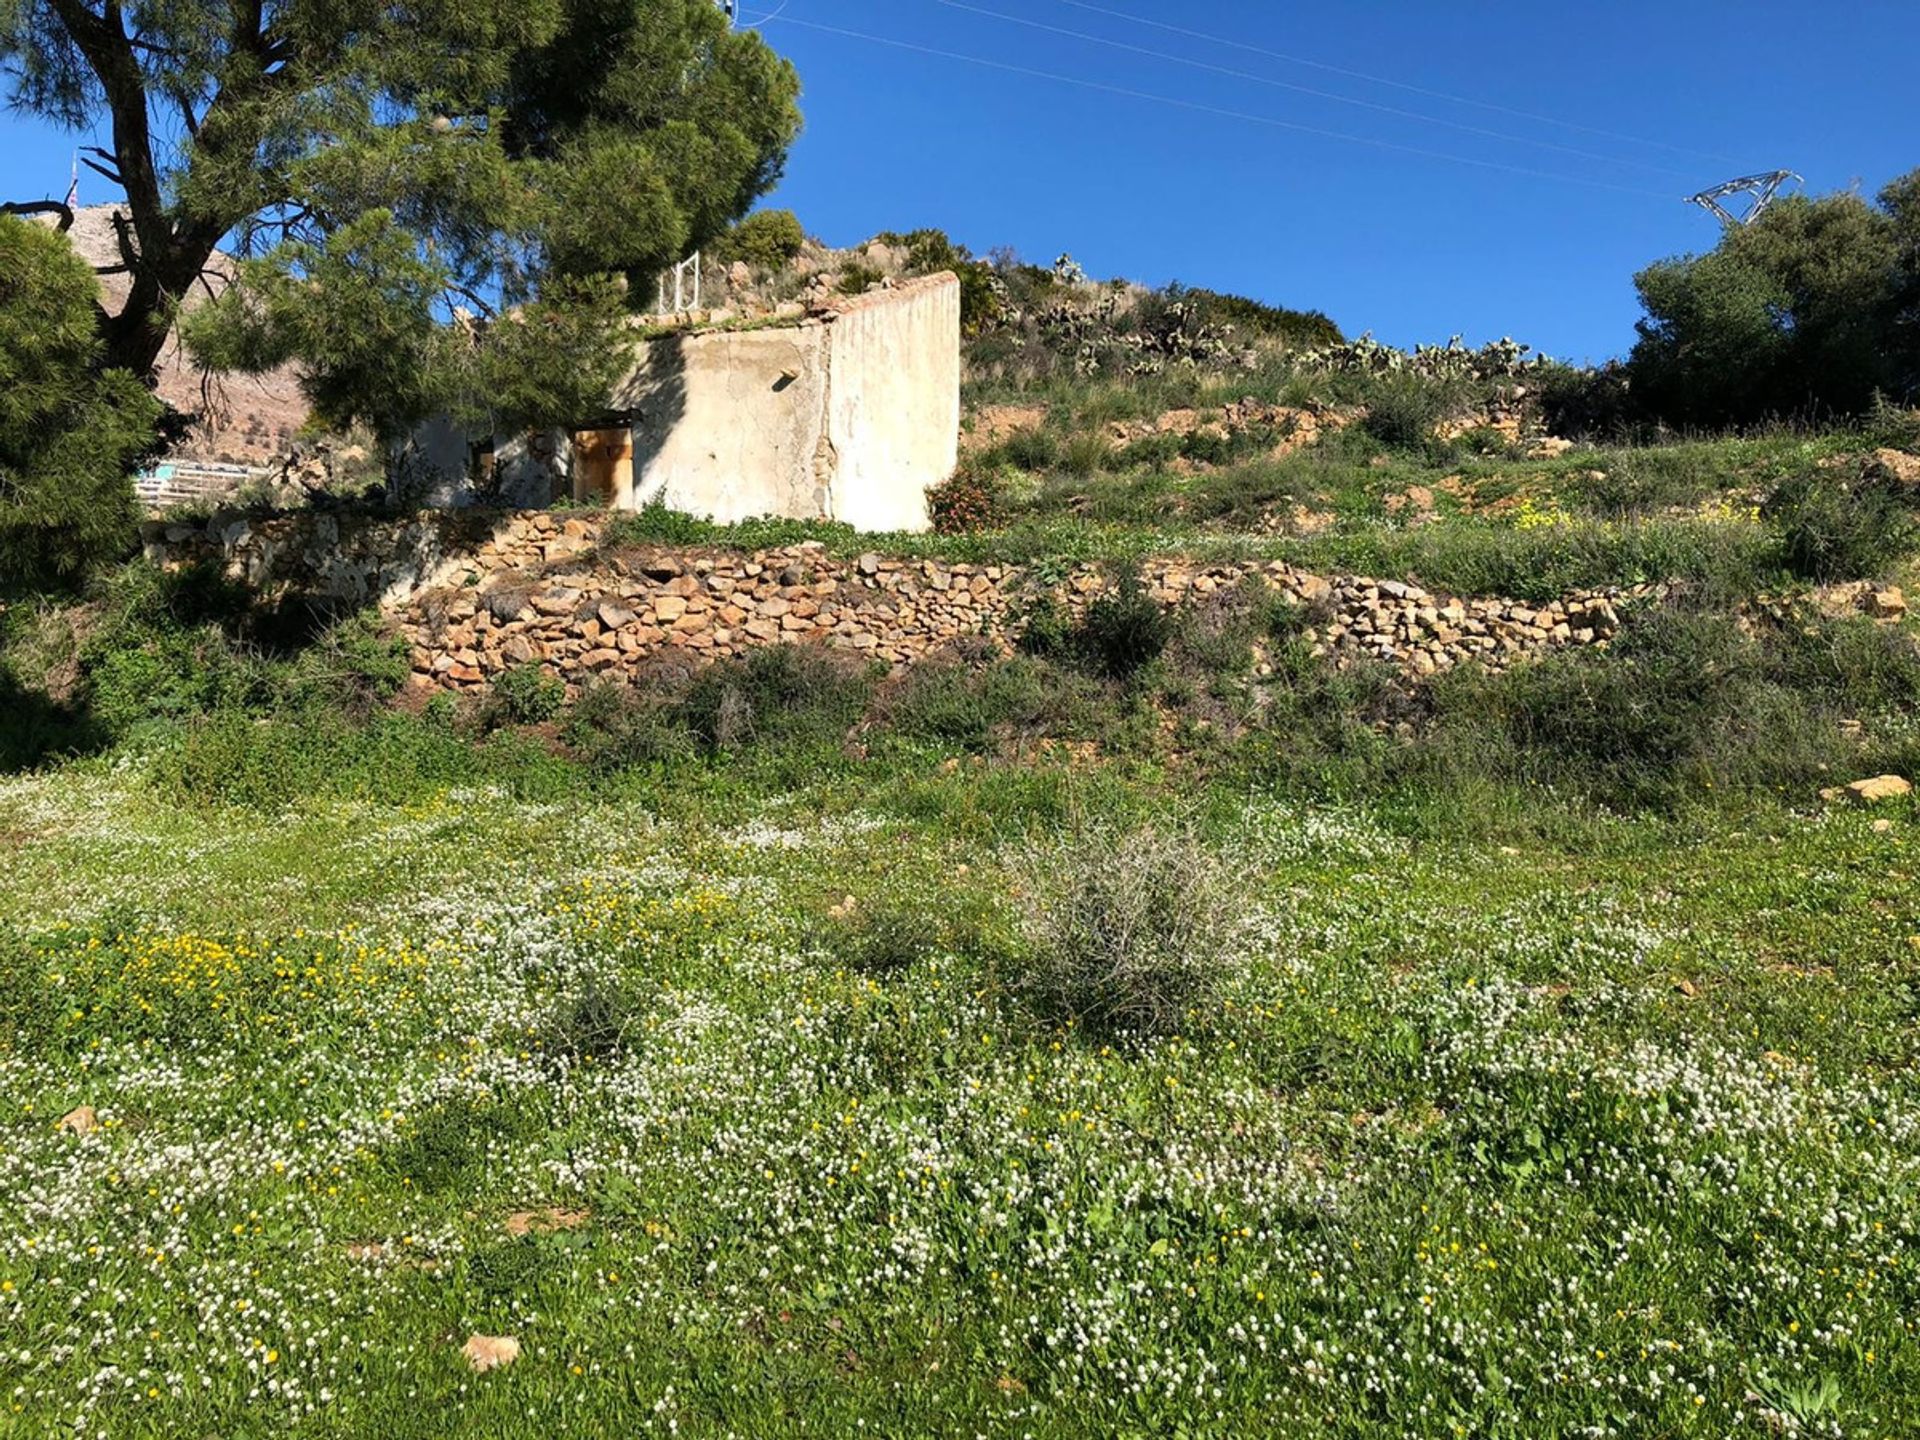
[{"x": 1870, "y": 792}]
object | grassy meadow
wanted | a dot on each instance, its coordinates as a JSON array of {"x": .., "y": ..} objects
[
  {"x": 1611, "y": 1134},
  {"x": 1169, "y": 1029}
]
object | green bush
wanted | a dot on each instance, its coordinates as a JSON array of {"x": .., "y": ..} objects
[
  {"x": 979, "y": 707},
  {"x": 1404, "y": 410},
  {"x": 1587, "y": 403},
  {"x": 930, "y": 250},
  {"x": 615, "y": 727},
  {"x": 1684, "y": 703},
  {"x": 527, "y": 695},
  {"x": 1087, "y": 452},
  {"x": 1832, "y": 529},
  {"x": 596, "y": 1022},
  {"x": 791, "y": 695},
  {"x": 857, "y": 277},
  {"x": 1298, "y": 329},
  {"x": 766, "y": 239},
  {"x": 1132, "y": 933},
  {"x": 353, "y": 665},
  {"x": 71, "y": 433},
  {"x": 1034, "y": 450},
  {"x": 443, "y": 1143},
  {"x": 886, "y": 937},
  {"x": 1124, "y": 628},
  {"x": 657, "y": 523}
]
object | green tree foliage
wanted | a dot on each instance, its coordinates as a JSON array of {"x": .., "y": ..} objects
[
  {"x": 70, "y": 432},
  {"x": 1812, "y": 309},
  {"x": 503, "y": 164},
  {"x": 766, "y": 239}
]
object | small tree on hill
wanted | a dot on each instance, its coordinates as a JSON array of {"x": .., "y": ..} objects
[{"x": 70, "y": 431}]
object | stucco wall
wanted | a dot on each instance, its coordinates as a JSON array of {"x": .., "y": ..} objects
[
  {"x": 893, "y": 412},
  {"x": 729, "y": 424},
  {"x": 848, "y": 414}
]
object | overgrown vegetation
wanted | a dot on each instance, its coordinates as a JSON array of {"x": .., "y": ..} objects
[
  {"x": 1150, "y": 1021},
  {"x": 71, "y": 431},
  {"x": 1808, "y": 311},
  {"x": 766, "y": 239},
  {"x": 1129, "y": 934}
]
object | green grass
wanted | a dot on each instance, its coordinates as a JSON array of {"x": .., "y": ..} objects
[
  {"x": 1615, "y": 1134},
  {"x": 1554, "y": 1078},
  {"x": 1690, "y": 511}
]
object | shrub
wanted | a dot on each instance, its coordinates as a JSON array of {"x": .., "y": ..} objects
[
  {"x": 352, "y": 666},
  {"x": 788, "y": 694},
  {"x": 1404, "y": 410},
  {"x": 1124, "y": 629},
  {"x": 885, "y": 938},
  {"x": 857, "y": 277},
  {"x": 931, "y": 250},
  {"x": 71, "y": 434},
  {"x": 614, "y": 726},
  {"x": 447, "y": 1141},
  {"x": 1047, "y": 629},
  {"x": 596, "y": 1022},
  {"x": 527, "y": 695},
  {"x": 1215, "y": 636},
  {"x": 1684, "y": 701},
  {"x": 1834, "y": 530},
  {"x": 1087, "y": 452},
  {"x": 1128, "y": 933},
  {"x": 1207, "y": 446},
  {"x": 1032, "y": 450},
  {"x": 1298, "y": 329},
  {"x": 975, "y": 707},
  {"x": 1586, "y": 404},
  {"x": 658, "y": 523},
  {"x": 970, "y": 499},
  {"x": 766, "y": 239}
]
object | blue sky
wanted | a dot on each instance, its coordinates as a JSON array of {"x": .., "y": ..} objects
[
  {"x": 1412, "y": 247},
  {"x": 1219, "y": 171}
]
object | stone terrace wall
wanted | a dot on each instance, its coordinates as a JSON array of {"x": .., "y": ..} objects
[{"x": 477, "y": 594}]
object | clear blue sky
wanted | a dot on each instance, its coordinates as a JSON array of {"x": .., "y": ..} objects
[{"x": 1217, "y": 190}]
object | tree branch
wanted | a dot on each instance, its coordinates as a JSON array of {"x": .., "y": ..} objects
[
  {"x": 485, "y": 309},
  {"x": 41, "y": 207},
  {"x": 106, "y": 170}
]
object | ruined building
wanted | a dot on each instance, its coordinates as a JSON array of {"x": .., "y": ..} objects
[{"x": 847, "y": 411}]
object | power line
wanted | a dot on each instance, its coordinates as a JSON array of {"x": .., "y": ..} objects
[
  {"x": 1393, "y": 84},
  {"x": 1205, "y": 109},
  {"x": 1305, "y": 89}
]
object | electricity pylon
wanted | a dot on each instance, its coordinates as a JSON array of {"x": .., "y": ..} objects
[{"x": 1762, "y": 189}]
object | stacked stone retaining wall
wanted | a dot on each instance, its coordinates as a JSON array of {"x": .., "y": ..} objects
[{"x": 476, "y": 594}]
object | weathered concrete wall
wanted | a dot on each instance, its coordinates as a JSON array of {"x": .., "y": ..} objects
[
  {"x": 894, "y": 404},
  {"x": 731, "y": 424},
  {"x": 435, "y": 468},
  {"x": 847, "y": 413}
]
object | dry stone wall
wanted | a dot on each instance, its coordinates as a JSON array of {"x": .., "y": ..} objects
[{"x": 478, "y": 594}]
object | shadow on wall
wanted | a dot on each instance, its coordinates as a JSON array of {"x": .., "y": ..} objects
[
  {"x": 459, "y": 463},
  {"x": 656, "y": 402}
]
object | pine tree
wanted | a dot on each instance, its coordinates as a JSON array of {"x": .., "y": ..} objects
[{"x": 431, "y": 200}]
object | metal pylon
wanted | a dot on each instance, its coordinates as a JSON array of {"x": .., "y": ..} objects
[{"x": 1762, "y": 189}]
